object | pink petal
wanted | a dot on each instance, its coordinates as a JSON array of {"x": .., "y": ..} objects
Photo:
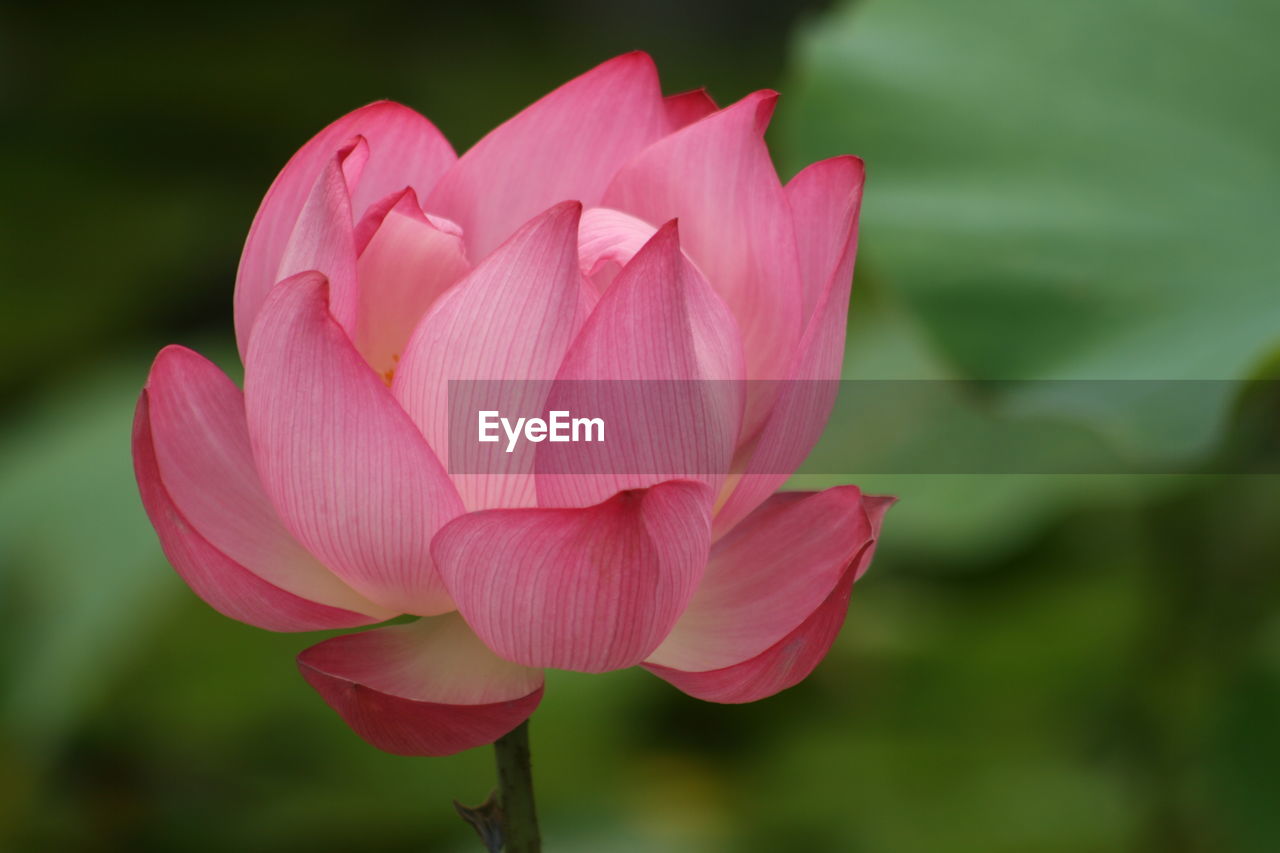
[
  {"x": 202, "y": 450},
  {"x": 377, "y": 212},
  {"x": 607, "y": 241},
  {"x": 404, "y": 149},
  {"x": 323, "y": 238},
  {"x": 564, "y": 147},
  {"x": 407, "y": 264},
  {"x": 426, "y": 688},
  {"x": 512, "y": 319},
  {"x": 826, "y": 198},
  {"x": 688, "y": 107},
  {"x": 371, "y": 221},
  {"x": 767, "y": 576},
  {"x": 224, "y": 584},
  {"x": 790, "y": 660},
  {"x": 346, "y": 468},
  {"x": 716, "y": 176},
  {"x": 591, "y": 589},
  {"x": 660, "y": 321}
]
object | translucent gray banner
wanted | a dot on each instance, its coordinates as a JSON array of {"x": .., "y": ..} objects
[{"x": 846, "y": 428}]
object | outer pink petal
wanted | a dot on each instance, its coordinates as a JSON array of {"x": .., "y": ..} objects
[
  {"x": 688, "y": 107},
  {"x": 716, "y": 176},
  {"x": 512, "y": 319},
  {"x": 767, "y": 576},
  {"x": 591, "y": 589},
  {"x": 564, "y": 147},
  {"x": 346, "y": 468},
  {"x": 323, "y": 238},
  {"x": 407, "y": 263},
  {"x": 662, "y": 323},
  {"x": 404, "y": 150},
  {"x": 790, "y": 660},
  {"x": 426, "y": 688},
  {"x": 224, "y": 584},
  {"x": 826, "y": 198},
  {"x": 202, "y": 449}
]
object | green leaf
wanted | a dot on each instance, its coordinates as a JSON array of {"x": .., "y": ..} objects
[
  {"x": 82, "y": 577},
  {"x": 953, "y": 520},
  {"x": 1064, "y": 190}
]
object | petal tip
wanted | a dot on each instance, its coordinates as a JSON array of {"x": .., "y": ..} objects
[
  {"x": 565, "y": 209},
  {"x": 766, "y": 101},
  {"x": 634, "y": 58}
]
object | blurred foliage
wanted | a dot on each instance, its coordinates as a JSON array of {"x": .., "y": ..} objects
[
  {"x": 1055, "y": 191},
  {"x": 1080, "y": 189},
  {"x": 1036, "y": 663}
]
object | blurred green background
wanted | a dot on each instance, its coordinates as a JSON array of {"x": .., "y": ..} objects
[{"x": 1080, "y": 189}]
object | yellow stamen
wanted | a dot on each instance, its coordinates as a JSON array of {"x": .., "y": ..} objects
[{"x": 388, "y": 375}]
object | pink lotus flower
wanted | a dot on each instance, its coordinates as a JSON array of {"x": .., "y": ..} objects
[{"x": 379, "y": 267}]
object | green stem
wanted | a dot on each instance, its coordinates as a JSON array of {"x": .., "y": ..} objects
[{"x": 515, "y": 784}]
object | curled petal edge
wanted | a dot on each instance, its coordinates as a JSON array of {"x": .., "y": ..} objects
[
  {"x": 405, "y": 706},
  {"x": 790, "y": 660},
  {"x": 223, "y": 584}
]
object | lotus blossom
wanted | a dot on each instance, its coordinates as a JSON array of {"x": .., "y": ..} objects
[{"x": 604, "y": 232}]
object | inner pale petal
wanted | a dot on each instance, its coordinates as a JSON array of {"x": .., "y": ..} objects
[{"x": 410, "y": 261}]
